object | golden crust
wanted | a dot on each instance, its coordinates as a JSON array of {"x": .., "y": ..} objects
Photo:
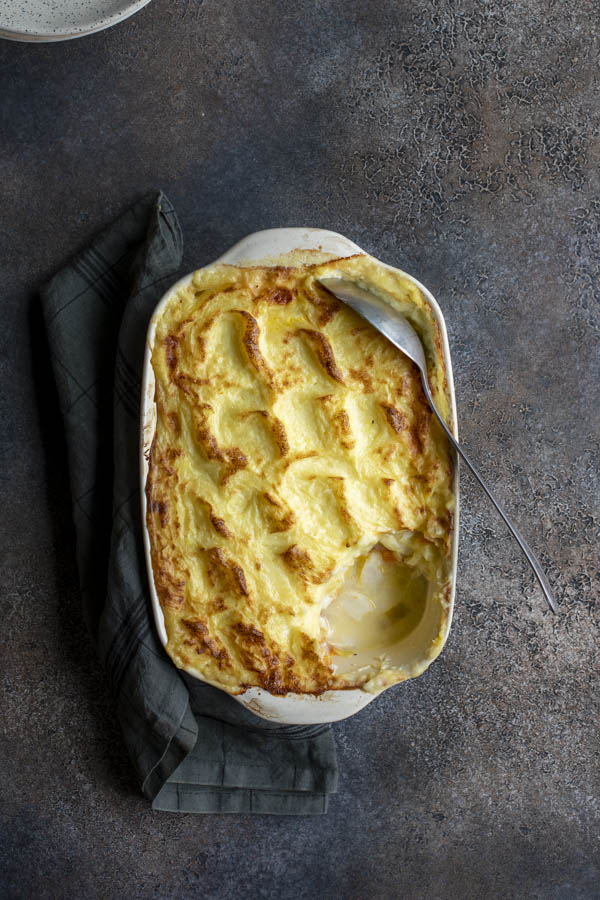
[{"x": 290, "y": 438}]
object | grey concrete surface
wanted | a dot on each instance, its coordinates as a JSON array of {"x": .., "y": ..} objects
[{"x": 459, "y": 139}]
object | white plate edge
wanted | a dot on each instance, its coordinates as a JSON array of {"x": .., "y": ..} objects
[{"x": 30, "y": 37}]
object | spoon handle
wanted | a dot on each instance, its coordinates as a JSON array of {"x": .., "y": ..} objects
[{"x": 531, "y": 557}]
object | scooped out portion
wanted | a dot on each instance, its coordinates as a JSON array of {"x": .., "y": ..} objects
[
  {"x": 300, "y": 497},
  {"x": 384, "y": 618}
]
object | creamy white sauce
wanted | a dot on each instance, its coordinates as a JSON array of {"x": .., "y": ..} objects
[{"x": 379, "y": 603}]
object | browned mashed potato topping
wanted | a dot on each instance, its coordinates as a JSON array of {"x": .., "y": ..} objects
[{"x": 293, "y": 445}]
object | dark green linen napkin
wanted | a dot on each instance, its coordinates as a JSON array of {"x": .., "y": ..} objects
[{"x": 194, "y": 748}]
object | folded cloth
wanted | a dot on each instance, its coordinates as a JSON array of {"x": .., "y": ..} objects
[{"x": 194, "y": 748}]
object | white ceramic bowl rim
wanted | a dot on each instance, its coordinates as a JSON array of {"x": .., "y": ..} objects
[
  {"x": 31, "y": 27},
  {"x": 291, "y": 708}
]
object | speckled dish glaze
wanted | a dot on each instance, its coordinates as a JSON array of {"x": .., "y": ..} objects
[
  {"x": 265, "y": 248},
  {"x": 39, "y": 21}
]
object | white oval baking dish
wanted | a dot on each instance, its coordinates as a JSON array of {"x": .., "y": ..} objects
[{"x": 264, "y": 247}]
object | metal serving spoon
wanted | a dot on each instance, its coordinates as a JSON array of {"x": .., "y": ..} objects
[{"x": 400, "y": 332}]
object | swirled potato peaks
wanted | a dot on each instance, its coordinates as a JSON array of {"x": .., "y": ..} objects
[{"x": 300, "y": 491}]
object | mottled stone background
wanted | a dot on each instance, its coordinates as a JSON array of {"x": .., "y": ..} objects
[{"x": 459, "y": 139}]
